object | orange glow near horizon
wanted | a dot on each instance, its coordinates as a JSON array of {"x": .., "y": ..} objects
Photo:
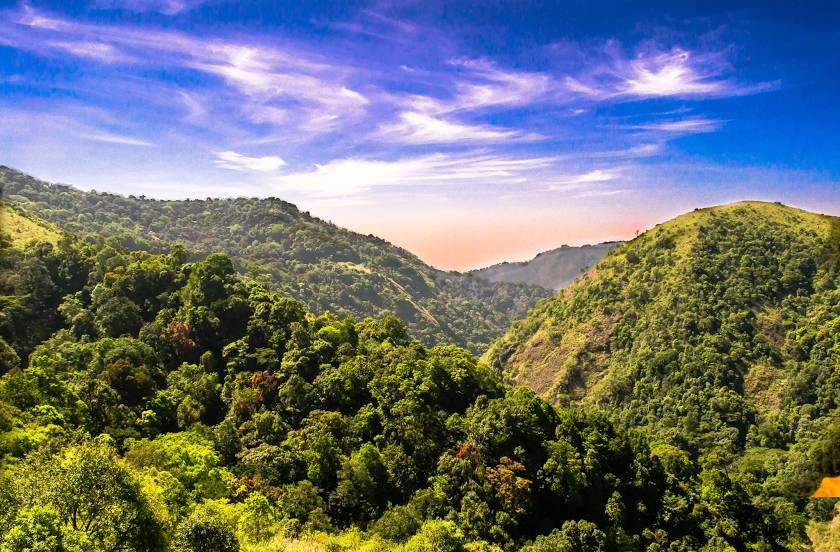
[{"x": 465, "y": 240}]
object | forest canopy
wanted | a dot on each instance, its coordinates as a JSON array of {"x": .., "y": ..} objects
[{"x": 148, "y": 402}]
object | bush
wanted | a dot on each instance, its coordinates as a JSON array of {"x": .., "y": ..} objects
[
  {"x": 437, "y": 536},
  {"x": 204, "y": 532}
]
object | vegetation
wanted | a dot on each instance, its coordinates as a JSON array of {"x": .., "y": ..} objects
[
  {"x": 326, "y": 267},
  {"x": 716, "y": 333},
  {"x": 23, "y": 228},
  {"x": 151, "y": 403}
]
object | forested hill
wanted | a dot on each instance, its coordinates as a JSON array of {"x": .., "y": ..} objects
[
  {"x": 718, "y": 330},
  {"x": 554, "y": 269},
  {"x": 151, "y": 404},
  {"x": 326, "y": 267}
]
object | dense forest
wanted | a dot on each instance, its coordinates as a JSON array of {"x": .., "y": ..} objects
[
  {"x": 154, "y": 401},
  {"x": 325, "y": 267},
  {"x": 717, "y": 332}
]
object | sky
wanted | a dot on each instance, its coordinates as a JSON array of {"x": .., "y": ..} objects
[{"x": 467, "y": 132}]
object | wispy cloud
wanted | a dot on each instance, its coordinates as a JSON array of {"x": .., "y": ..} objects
[
  {"x": 269, "y": 78},
  {"x": 352, "y": 176},
  {"x": 653, "y": 73},
  {"x": 73, "y": 124},
  {"x": 631, "y": 152},
  {"x": 596, "y": 175},
  {"x": 94, "y": 50},
  {"x": 238, "y": 162},
  {"x": 111, "y": 138},
  {"x": 682, "y": 126},
  {"x": 481, "y": 84},
  {"x": 419, "y": 128},
  {"x": 167, "y": 7}
]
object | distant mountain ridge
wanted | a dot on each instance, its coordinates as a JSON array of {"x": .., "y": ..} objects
[
  {"x": 553, "y": 269},
  {"x": 326, "y": 267}
]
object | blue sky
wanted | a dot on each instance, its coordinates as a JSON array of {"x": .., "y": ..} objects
[{"x": 468, "y": 132}]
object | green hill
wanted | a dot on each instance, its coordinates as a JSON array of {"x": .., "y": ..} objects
[
  {"x": 326, "y": 267},
  {"x": 554, "y": 269},
  {"x": 720, "y": 328}
]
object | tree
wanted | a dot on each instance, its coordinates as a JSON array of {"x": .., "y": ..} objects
[
  {"x": 574, "y": 536},
  {"x": 363, "y": 491},
  {"x": 204, "y": 531},
  {"x": 436, "y": 536},
  {"x": 90, "y": 493},
  {"x": 39, "y": 529}
]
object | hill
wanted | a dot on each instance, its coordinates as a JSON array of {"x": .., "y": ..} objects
[
  {"x": 316, "y": 262},
  {"x": 719, "y": 329},
  {"x": 554, "y": 269},
  {"x": 174, "y": 405}
]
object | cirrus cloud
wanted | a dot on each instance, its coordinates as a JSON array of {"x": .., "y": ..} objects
[{"x": 238, "y": 162}]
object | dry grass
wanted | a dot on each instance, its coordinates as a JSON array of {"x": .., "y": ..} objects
[{"x": 24, "y": 228}]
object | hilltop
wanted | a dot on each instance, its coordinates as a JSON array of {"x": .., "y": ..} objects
[
  {"x": 314, "y": 261},
  {"x": 718, "y": 328},
  {"x": 553, "y": 269}
]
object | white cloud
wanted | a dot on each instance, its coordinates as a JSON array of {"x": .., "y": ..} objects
[
  {"x": 481, "y": 84},
  {"x": 668, "y": 75},
  {"x": 352, "y": 176},
  {"x": 94, "y": 50},
  {"x": 100, "y": 136},
  {"x": 419, "y": 128},
  {"x": 640, "y": 150},
  {"x": 653, "y": 73},
  {"x": 238, "y": 162},
  {"x": 682, "y": 126},
  {"x": 268, "y": 78},
  {"x": 597, "y": 175}
]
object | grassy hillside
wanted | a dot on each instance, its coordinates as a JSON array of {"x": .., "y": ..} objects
[
  {"x": 716, "y": 329},
  {"x": 554, "y": 269},
  {"x": 326, "y": 267},
  {"x": 23, "y": 228}
]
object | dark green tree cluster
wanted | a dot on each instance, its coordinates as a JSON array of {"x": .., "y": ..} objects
[
  {"x": 175, "y": 405},
  {"x": 326, "y": 267}
]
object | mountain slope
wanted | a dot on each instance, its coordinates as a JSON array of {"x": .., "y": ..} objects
[
  {"x": 554, "y": 269},
  {"x": 22, "y": 227},
  {"x": 326, "y": 267},
  {"x": 720, "y": 328}
]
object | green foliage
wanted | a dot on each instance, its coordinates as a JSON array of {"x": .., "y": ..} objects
[
  {"x": 436, "y": 536},
  {"x": 224, "y": 412},
  {"x": 204, "y": 531},
  {"x": 83, "y": 494},
  {"x": 574, "y": 536},
  {"x": 716, "y": 333},
  {"x": 326, "y": 267}
]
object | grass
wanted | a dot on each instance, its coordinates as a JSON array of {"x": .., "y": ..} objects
[{"x": 24, "y": 228}]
